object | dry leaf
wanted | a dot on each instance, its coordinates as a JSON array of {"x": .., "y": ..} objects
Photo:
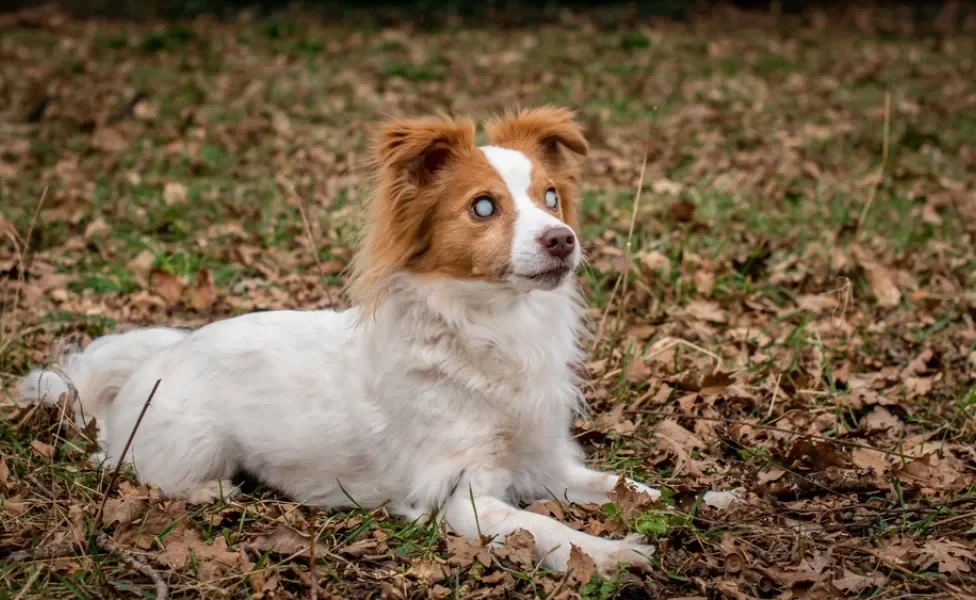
[
  {"x": 853, "y": 583},
  {"x": 581, "y": 567},
  {"x": 109, "y": 140},
  {"x": 123, "y": 510},
  {"x": 951, "y": 557},
  {"x": 462, "y": 553},
  {"x": 427, "y": 571},
  {"x": 42, "y": 449},
  {"x": 13, "y": 506},
  {"x": 632, "y": 503},
  {"x": 145, "y": 110},
  {"x": 140, "y": 266},
  {"x": 4, "y": 474},
  {"x": 682, "y": 211},
  {"x": 881, "y": 419},
  {"x": 882, "y": 282},
  {"x": 97, "y": 228},
  {"x": 212, "y": 559},
  {"x": 870, "y": 459},
  {"x": 283, "y": 540},
  {"x": 174, "y": 194},
  {"x": 704, "y": 310},
  {"x": 929, "y": 471},
  {"x": 203, "y": 294},
  {"x": 548, "y": 508},
  {"x": 655, "y": 262},
  {"x": 166, "y": 285},
  {"x": 519, "y": 548},
  {"x": 704, "y": 282}
]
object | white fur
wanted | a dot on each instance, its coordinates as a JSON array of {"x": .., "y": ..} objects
[
  {"x": 531, "y": 221},
  {"x": 455, "y": 396}
]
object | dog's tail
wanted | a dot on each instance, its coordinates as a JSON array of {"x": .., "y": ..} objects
[{"x": 96, "y": 373}]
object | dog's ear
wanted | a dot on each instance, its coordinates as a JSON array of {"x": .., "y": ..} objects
[
  {"x": 547, "y": 131},
  {"x": 412, "y": 151}
]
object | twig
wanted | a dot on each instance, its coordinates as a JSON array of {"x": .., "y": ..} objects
[
  {"x": 847, "y": 443},
  {"x": 313, "y": 593},
  {"x": 680, "y": 342},
  {"x": 27, "y": 584},
  {"x": 118, "y": 467},
  {"x": 772, "y": 403},
  {"x": 912, "y": 574},
  {"x": 21, "y": 276},
  {"x": 42, "y": 553},
  {"x": 947, "y": 520},
  {"x": 630, "y": 236},
  {"x": 881, "y": 167},
  {"x": 562, "y": 583},
  {"x": 311, "y": 239},
  {"x": 106, "y": 544}
]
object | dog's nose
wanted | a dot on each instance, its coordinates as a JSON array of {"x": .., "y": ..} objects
[{"x": 558, "y": 242}]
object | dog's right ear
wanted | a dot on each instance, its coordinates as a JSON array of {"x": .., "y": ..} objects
[{"x": 412, "y": 151}]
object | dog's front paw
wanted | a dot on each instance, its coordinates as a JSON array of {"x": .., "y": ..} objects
[
  {"x": 640, "y": 487},
  {"x": 629, "y": 550}
]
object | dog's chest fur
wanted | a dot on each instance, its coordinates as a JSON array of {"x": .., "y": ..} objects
[{"x": 490, "y": 387}]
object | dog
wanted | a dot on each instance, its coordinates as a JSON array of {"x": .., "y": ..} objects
[{"x": 448, "y": 388}]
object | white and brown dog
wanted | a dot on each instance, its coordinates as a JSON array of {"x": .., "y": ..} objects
[{"x": 449, "y": 385}]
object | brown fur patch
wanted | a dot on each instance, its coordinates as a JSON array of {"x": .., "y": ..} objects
[
  {"x": 429, "y": 174},
  {"x": 549, "y": 136}
]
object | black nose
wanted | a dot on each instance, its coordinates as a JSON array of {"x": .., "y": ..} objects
[{"x": 558, "y": 242}]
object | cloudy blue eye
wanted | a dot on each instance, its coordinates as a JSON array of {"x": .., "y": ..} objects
[
  {"x": 483, "y": 207},
  {"x": 552, "y": 200}
]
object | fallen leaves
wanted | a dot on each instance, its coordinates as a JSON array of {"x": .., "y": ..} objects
[
  {"x": 948, "y": 556},
  {"x": 881, "y": 280},
  {"x": 41, "y": 449},
  {"x": 174, "y": 194},
  {"x": 199, "y": 297},
  {"x": 581, "y": 567},
  {"x": 166, "y": 285}
]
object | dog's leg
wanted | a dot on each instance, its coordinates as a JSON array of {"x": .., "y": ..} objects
[
  {"x": 579, "y": 484},
  {"x": 575, "y": 482},
  {"x": 471, "y": 515}
]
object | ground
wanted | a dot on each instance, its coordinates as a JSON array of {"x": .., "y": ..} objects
[{"x": 786, "y": 306}]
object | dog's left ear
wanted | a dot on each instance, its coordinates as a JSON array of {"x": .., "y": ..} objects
[{"x": 547, "y": 131}]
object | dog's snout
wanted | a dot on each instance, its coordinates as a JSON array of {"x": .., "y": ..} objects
[{"x": 558, "y": 242}]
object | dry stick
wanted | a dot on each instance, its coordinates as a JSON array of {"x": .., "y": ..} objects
[
  {"x": 914, "y": 575},
  {"x": 42, "y": 553},
  {"x": 562, "y": 583},
  {"x": 311, "y": 239},
  {"x": 118, "y": 467},
  {"x": 21, "y": 265},
  {"x": 106, "y": 544},
  {"x": 847, "y": 443},
  {"x": 947, "y": 520},
  {"x": 27, "y": 584},
  {"x": 881, "y": 168},
  {"x": 772, "y": 403},
  {"x": 630, "y": 235},
  {"x": 313, "y": 593},
  {"x": 680, "y": 342}
]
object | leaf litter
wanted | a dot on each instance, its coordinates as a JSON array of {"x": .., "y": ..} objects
[{"x": 768, "y": 340}]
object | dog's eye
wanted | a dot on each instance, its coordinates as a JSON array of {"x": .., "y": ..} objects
[
  {"x": 483, "y": 207},
  {"x": 552, "y": 200}
]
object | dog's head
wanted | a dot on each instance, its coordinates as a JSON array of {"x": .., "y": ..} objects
[{"x": 504, "y": 214}]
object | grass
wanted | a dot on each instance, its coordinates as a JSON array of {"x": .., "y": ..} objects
[{"x": 767, "y": 135}]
